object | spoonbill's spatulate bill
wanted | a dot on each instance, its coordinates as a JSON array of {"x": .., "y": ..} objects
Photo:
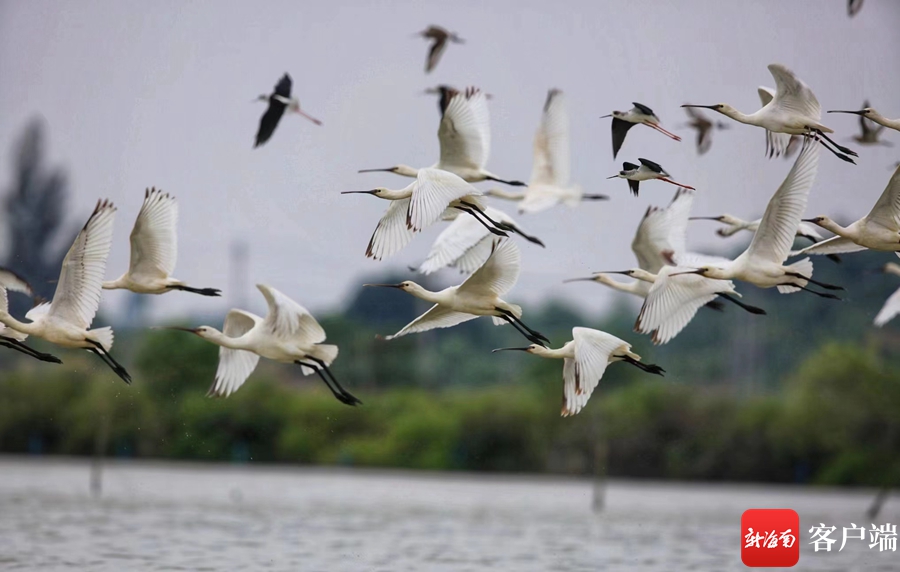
[
  {"x": 794, "y": 110},
  {"x": 288, "y": 334},
  {"x": 646, "y": 171},
  {"x": 586, "y": 358},
  {"x": 439, "y": 38},
  {"x": 65, "y": 320},
  {"x": 479, "y": 295},
  {"x": 279, "y": 101},
  {"x": 878, "y": 230},
  {"x": 10, "y": 338},
  {"x": 154, "y": 250},
  {"x": 466, "y": 243},
  {"x": 762, "y": 263},
  {"x": 550, "y": 182},
  {"x": 638, "y": 115},
  {"x": 465, "y": 138}
]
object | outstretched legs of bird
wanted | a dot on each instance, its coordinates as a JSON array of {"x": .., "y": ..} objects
[
  {"x": 110, "y": 361},
  {"x": 648, "y": 367},
  {"x": 20, "y": 347},
  {"x": 321, "y": 370},
  {"x": 533, "y": 336}
]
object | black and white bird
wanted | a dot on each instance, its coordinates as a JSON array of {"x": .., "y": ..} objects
[
  {"x": 280, "y": 101},
  {"x": 10, "y": 338},
  {"x": 646, "y": 171},
  {"x": 439, "y": 38},
  {"x": 625, "y": 120}
]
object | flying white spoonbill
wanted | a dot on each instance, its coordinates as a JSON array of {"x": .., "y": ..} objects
[
  {"x": 794, "y": 110},
  {"x": 734, "y": 225},
  {"x": 279, "y": 101},
  {"x": 434, "y": 195},
  {"x": 479, "y": 295},
  {"x": 154, "y": 250},
  {"x": 892, "y": 305},
  {"x": 10, "y": 338},
  {"x": 65, "y": 320},
  {"x": 586, "y": 358},
  {"x": 466, "y": 243},
  {"x": 439, "y": 37},
  {"x": 872, "y": 115},
  {"x": 646, "y": 171},
  {"x": 549, "y": 184},
  {"x": 288, "y": 334},
  {"x": 762, "y": 263},
  {"x": 465, "y": 139},
  {"x": 878, "y": 230},
  {"x": 625, "y": 120}
]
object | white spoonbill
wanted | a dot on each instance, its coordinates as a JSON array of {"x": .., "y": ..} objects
[
  {"x": 625, "y": 120},
  {"x": 660, "y": 235},
  {"x": 878, "y": 230},
  {"x": 279, "y": 101},
  {"x": 439, "y": 38},
  {"x": 872, "y": 115},
  {"x": 288, "y": 334},
  {"x": 794, "y": 110},
  {"x": 154, "y": 250},
  {"x": 550, "y": 182},
  {"x": 762, "y": 263},
  {"x": 586, "y": 357},
  {"x": 65, "y": 320},
  {"x": 9, "y": 337},
  {"x": 435, "y": 194},
  {"x": 646, "y": 171},
  {"x": 674, "y": 298},
  {"x": 734, "y": 225},
  {"x": 465, "y": 138},
  {"x": 466, "y": 243},
  {"x": 892, "y": 305},
  {"x": 479, "y": 295}
]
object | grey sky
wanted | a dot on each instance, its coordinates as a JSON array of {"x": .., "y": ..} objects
[{"x": 158, "y": 94}]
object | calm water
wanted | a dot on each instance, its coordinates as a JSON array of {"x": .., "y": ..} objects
[{"x": 155, "y": 516}]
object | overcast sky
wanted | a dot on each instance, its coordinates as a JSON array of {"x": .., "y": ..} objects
[{"x": 139, "y": 94}]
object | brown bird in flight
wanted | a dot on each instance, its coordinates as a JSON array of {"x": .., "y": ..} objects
[{"x": 440, "y": 36}]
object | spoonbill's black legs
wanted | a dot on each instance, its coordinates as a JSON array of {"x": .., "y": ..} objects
[
  {"x": 201, "y": 291},
  {"x": 20, "y": 347},
  {"x": 486, "y": 224},
  {"x": 815, "y": 134},
  {"x": 748, "y": 307},
  {"x": 648, "y": 367},
  {"x": 811, "y": 281},
  {"x": 339, "y": 393},
  {"x": 110, "y": 361},
  {"x": 820, "y": 294},
  {"x": 840, "y": 148},
  {"x": 532, "y": 335},
  {"x": 510, "y": 183}
]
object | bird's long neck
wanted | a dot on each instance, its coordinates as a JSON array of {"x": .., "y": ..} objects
[
  {"x": 398, "y": 195},
  {"x": 738, "y": 116},
  {"x": 428, "y": 295},
  {"x": 31, "y": 328},
  {"x": 882, "y": 120},
  {"x": 504, "y": 194},
  {"x": 831, "y": 226},
  {"x": 629, "y": 287},
  {"x": 644, "y": 275},
  {"x": 215, "y": 336},
  {"x": 560, "y": 353}
]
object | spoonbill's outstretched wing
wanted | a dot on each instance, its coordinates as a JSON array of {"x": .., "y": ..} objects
[
  {"x": 792, "y": 94},
  {"x": 886, "y": 211},
  {"x": 833, "y": 245},
  {"x": 289, "y": 320},
  {"x": 776, "y": 143},
  {"x": 890, "y": 309},
  {"x": 465, "y": 130},
  {"x": 11, "y": 281},
  {"x": 77, "y": 294},
  {"x": 464, "y": 244},
  {"x": 552, "y": 161},
  {"x": 661, "y": 234},
  {"x": 778, "y": 228},
  {"x": 593, "y": 349},
  {"x": 154, "y": 244},
  {"x": 392, "y": 232},
  {"x": 433, "y": 192},
  {"x": 235, "y": 366},
  {"x": 499, "y": 273},
  {"x": 436, "y": 317}
]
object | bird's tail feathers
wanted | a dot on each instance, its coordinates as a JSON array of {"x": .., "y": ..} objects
[
  {"x": 325, "y": 352},
  {"x": 516, "y": 311},
  {"x": 803, "y": 267},
  {"x": 104, "y": 336}
]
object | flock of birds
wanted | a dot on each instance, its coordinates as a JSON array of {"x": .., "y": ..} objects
[{"x": 673, "y": 281}]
